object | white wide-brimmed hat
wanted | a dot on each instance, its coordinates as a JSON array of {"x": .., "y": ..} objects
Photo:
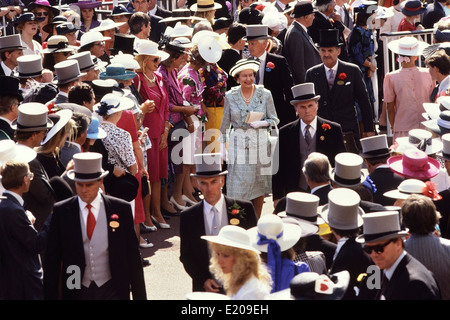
[
  {"x": 108, "y": 24},
  {"x": 421, "y": 139},
  {"x": 112, "y": 103},
  {"x": 302, "y": 206},
  {"x": 342, "y": 210},
  {"x": 87, "y": 167},
  {"x": 9, "y": 150},
  {"x": 125, "y": 59},
  {"x": 179, "y": 30},
  {"x": 432, "y": 110},
  {"x": 380, "y": 226},
  {"x": 232, "y": 236},
  {"x": 272, "y": 227},
  {"x": 150, "y": 48},
  {"x": 407, "y": 46},
  {"x": 406, "y": 188},
  {"x": 92, "y": 36},
  {"x": 244, "y": 64},
  {"x": 347, "y": 170},
  {"x": 209, "y": 48},
  {"x": 205, "y": 5},
  {"x": 60, "y": 119}
]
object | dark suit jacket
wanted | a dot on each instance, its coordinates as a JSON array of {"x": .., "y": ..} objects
[
  {"x": 157, "y": 28},
  {"x": 339, "y": 104},
  {"x": 194, "y": 250},
  {"x": 411, "y": 280},
  {"x": 316, "y": 243},
  {"x": 320, "y": 23},
  {"x": 20, "y": 246},
  {"x": 300, "y": 52},
  {"x": 162, "y": 12},
  {"x": 329, "y": 142},
  {"x": 7, "y": 129},
  {"x": 443, "y": 206},
  {"x": 352, "y": 258},
  {"x": 434, "y": 13},
  {"x": 322, "y": 193},
  {"x": 279, "y": 82},
  {"x": 226, "y": 62},
  {"x": 385, "y": 180},
  {"x": 65, "y": 248}
]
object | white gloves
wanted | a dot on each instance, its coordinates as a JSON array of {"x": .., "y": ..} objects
[{"x": 259, "y": 124}]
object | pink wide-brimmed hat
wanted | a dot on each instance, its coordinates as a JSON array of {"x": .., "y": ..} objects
[{"x": 414, "y": 164}]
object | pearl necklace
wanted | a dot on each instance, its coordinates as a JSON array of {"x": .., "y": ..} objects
[
  {"x": 247, "y": 100},
  {"x": 150, "y": 80}
]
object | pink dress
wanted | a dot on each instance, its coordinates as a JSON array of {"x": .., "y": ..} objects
[
  {"x": 158, "y": 160},
  {"x": 409, "y": 88}
]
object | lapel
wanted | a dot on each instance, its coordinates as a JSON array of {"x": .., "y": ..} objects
[
  {"x": 394, "y": 281},
  {"x": 74, "y": 227},
  {"x": 320, "y": 132},
  {"x": 305, "y": 35},
  {"x": 336, "y": 91}
]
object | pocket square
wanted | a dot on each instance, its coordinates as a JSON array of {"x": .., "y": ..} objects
[{"x": 348, "y": 83}]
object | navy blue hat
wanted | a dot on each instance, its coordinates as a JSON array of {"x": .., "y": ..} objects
[
  {"x": 120, "y": 10},
  {"x": 413, "y": 7}
]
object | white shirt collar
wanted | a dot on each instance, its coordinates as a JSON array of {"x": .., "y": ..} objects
[
  {"x": 301, "y": 25},
  {"x": 313, "y": 125},
  {"x": 95, "y": 206},
  {"x": 390, "y": 271},
  {"x": 334, "y": 68},
  {"x": 153, "y": 11},
  {"x": 6, "y": 69},
  {"x": 15, "y": 195},
  {"x": 7, "y": 120},
  {"x": 207, "y": 210},
  {"x": 319, "y": 187}
]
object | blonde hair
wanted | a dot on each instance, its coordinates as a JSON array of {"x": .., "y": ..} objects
[
  {"x": 52, "y": 145},
  {"x": 142, "y": 61},
  {"x": 247, "y": 264}
]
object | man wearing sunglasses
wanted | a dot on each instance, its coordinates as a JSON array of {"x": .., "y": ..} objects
[{"x": 402, "y": 276}]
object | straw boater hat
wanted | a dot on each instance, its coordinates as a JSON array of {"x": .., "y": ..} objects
[
  {"x": 208, "y": 165},
  {"x": 32, "y": 116},
  {"x": 421, "y": 139},
  {"x": 342, "y": 210},
  {"x": 59, "y": 119},
  {"x": 406, "y": 188},
  {"x": 58, "y": 43},
  {"x": 347, "y": 170},
  {"x": 303, "y": 207},
  {"x": 380, "y": 226},
  {"x": 67, "y": 71},
  {"x": 271, "y": 226},
  {"x": 9, "y": 150},
  {"x": 87, "y": 167},
  {"x": 205, "y": 5},
  {"x": 375, "y": 146},
  {"x": 445, "y": 152},
  {"x": 256, "y": 32},
  {"x": 244, "y": 64},
  {"x": 303, "y": 92},
  {"x": 11, "y": 42},
  {"x": 232, "y": 236},
  {"x": 414, "y": 164},
  {"x": 407, "y": 46}
]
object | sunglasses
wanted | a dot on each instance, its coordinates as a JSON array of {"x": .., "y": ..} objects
[
  {"x": 379, "y": 248},
  {"x": 100, "y": 44},
  {"x": 156, "y": 59},
  {"x": 66, "y": 54},
  {"x": 42, "y": 13}
]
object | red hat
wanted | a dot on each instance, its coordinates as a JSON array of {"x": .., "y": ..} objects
[{"x": 414, "y": 164}]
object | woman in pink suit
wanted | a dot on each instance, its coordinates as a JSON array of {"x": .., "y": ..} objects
[{"x": 150, "y": 85}]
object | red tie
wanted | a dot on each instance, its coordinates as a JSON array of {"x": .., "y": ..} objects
[{"x": 90, "y": 225}]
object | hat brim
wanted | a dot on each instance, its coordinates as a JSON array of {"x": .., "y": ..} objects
[
  {"x": 209, "y": 174},
  {"x": 435, "y": 147},
  {"x": 101, "y": 134},
  {"x": 308, "y": 228},
  {"x": 295, "y": 101},
  {"x": 251, "y": 38},
  {"x": 396, "y": 165},
  {"x": 104, "y": 28},
  {"x": 128, "y": 75},
  {"x": 71, "y": 176},
  {"x": 12, "y": 48},
  {"x": 361, "y": 180},
  {"x": 171, "y": 19},
  {"x": 393, "y": 235},
  {"x": 230, "y": 243},
  {"x": 247, "y": 65},
  {"x": 57, "y": 81},
  {"x": 432, "y": 110},
  {"x": 49, "y": 125},
  {"x": 291, "y": 235},
  {"x": 22, "y": 153},
  {"x": 67, "y": 49},
  {"x": 210, "y": 51},
  {"x": 195, "y": 7},
  {"x": 396, "y": 194},
  {"x": 65, "y": 115},
  {"x": 162, "y": 54},
  {"x": 358, "y": 223},
  {"x": 394, "y": 46},
  {"x": 34, "y": 5}
]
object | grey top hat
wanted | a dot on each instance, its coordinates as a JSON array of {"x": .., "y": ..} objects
[
  {"x": 208, "y": 165},
  {"x": 380, "y": 226},
  {"x": 347, "y": 170},
  {"x": 85, "y": 61},
  {"x": 375, "y": 146},
  {"x": 67, "y": 71},
  {"x": 445, "y": 153},
  {"x": 257, "y": 32},
  {"x": 32, "y": 116},
  {"x": 303, "y": 92},
  {"x": 343, "y": 211},
  {"x": 303, "y": 206},
  {"x": 29, "y": 65},
  {"x": 87, "y": 167},
  {"x": 11, "y": 42}
]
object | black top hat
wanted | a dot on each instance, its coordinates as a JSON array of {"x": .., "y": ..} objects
[
  {"x": 302, "y": 8},
  {"x": 10, "y": 86},
  {"x": 124, "y": 43},
  {"x": 329, "y": 38},
  {"x": 222, "y": 22}
]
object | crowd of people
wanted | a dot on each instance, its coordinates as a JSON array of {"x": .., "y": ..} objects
[{"x": 116, "y": 118}]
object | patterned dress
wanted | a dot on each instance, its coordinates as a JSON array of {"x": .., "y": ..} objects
[
  {"x": 249, "y": 149},
  {"x": 119, "y": 146}
]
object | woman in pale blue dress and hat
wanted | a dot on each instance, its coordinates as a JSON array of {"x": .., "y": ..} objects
[{"x": 249, "y": 109}]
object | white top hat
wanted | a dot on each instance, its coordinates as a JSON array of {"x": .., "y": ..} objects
[
  {"x": 87, "y": 167},
  {"x": 272, "y": 226},
  {"x": 343, "y": 211},
  {"x": 112, "y": 103},
  {"x": 92, "y": 36},
  {"x": 150, "y": 48},
  {"x": 407, "y": 46},
  {"x": 9, "y": 150},
  {"x": 303, "y": 92},
  {"x": 406, "y": 188},
  {"x": 232, "y": 236},
  {"x": 347, "y": 170},
  {"x": 421, "y": 139},
  {"x": 381, "y": 226}
]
